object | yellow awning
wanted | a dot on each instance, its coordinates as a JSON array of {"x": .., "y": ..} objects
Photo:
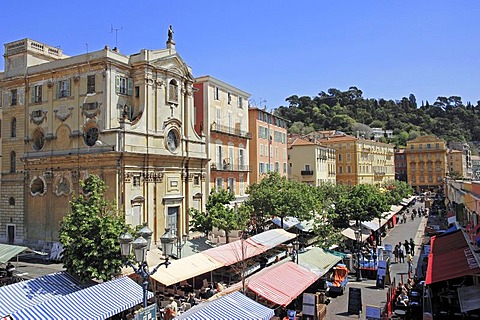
[{"x": 185, "y": 268}]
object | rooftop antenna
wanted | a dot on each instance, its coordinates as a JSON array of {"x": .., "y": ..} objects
[
  {"x": 264, "y": 102},
  {"x": 86, "y": 45},
  {"x": 116, "y": 34}
]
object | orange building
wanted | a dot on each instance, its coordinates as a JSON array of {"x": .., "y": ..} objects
[{"x": 268, "y": 148}]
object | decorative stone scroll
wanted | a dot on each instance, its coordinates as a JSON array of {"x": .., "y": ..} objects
[
  {"x": 63, "y": 113},
  {"x": 38, "y": 116}
]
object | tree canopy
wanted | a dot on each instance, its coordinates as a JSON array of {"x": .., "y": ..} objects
[
  {"x": 89, "y": 234},
  {"x": 447, "y": 118},
  {"x": 220, "y": 214}
]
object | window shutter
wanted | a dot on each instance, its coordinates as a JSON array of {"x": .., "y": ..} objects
[
  {"x": 20, "y": 94},
  {"x": 130, "y": 87},
  {"x": 32, "y": 94},
  {"x": 68, "y": 87},
  {"x": 57, "y": 89},
  {"x": 117, "y": 84}
]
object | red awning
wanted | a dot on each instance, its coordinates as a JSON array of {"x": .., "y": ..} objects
[
  {"x": 450, "y": 257},
  {"x": 240, "y": 250},
  {"x": 282, "y": 284},
  {"x": 235, "y": 251}
]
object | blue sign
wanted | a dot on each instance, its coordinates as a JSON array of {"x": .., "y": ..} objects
[{"x": 149, "y": 313}]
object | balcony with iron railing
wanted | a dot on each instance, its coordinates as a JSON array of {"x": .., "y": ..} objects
[
  {"x": 306, "y": 172},
  {"x": 228, "y": 166},
  {"x": 215, "y": 127}
]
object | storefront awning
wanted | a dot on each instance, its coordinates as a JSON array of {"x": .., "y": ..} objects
[
  {"x": 239, "y": 250},
  {"x": 97, "y": 302},
  {"x": 8, "y": 251},
  {"x": 231, "y": 306},
  {"x": 318, "y": 261},
  {"x": 450, "y": 257},
  {"x": 186, "y": 268},
  {"x": 282, "y": 284},
  {"x": 350, "y": 233},
  {"x": 28, "y": 293},
  {"x": 272, "y": 238}
]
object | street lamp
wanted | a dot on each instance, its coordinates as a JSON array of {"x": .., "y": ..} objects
[
  {"x": 292, "y": 249},
  {"x": 140, "y": 246},
  {"x": 181, "y": 242},
  {"x": 358, "y": 234}
]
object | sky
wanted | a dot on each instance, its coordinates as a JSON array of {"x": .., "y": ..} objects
[{"x": 276, "y": 49}]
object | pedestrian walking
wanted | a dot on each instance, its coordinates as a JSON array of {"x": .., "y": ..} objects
[
  {"x": 410, "y": 264},
  {"x": 412, "y": 247},
  {"x": 395, "y": 253},
  {"x": 404, "y": 217},
  {"x": 401, "y": 252}
]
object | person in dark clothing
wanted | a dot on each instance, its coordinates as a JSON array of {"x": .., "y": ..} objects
[
  {"x": 412, "y": 247},
  {"x": 406, "y": 244},
  {"x": 10, "y": 269}
]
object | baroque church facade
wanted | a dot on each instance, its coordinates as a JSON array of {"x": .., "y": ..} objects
[{"x": 128, "y": 119}]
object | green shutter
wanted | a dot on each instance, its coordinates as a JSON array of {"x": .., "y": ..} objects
[
  {"x": 32, "y": 94},
  {"x": 130, "y": 87},
  {"x": 57, "y": 89},
  {"x": 117, "y": 84},
  {"x": 68, "y": 87}
]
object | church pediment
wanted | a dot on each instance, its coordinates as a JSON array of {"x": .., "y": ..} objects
[{"x": 173, "y": 64}]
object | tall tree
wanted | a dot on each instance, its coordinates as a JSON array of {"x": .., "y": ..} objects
[
  {"x": 89, "y": 234},
  {"x": 220, "y": 214}
]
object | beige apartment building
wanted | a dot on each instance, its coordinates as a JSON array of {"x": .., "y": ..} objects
[
  {"x": 310, "y": 162},
  {"x": 457, "y": 164},
  {"x": 222, "y": 117},
  {"x": 426, "y": 162},
  {"x": 128, "y": 119},
  {"x": 361, "y": 161},
  {"x": 268, "y": 147}
]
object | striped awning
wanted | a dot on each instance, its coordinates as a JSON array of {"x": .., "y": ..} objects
[
  {"x": 28, "y": 293},
  {"x": 282, "y": 284},
  {"x": 97, "y": 302},
  {"x": 8, "y": 251},
  {"x": 232, "y": 306}
]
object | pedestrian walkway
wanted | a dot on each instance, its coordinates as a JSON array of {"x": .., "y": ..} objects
[{"x": 371, "y": 295}]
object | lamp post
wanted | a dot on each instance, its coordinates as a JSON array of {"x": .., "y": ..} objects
[
  {"x": 140, "y": 246},
  {"x": 292, "y": 249},
  {"x": 180, "y": 244},
  {"x": 358, "y": 234}
]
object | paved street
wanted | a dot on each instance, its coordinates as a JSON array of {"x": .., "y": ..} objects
[
  {"x": 35, "y": 266},
  {"x": 372, "y": 296}
]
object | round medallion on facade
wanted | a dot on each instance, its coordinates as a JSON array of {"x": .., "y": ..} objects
[
  {"x": 90, "y": 136},
  {"x": 63, "y": 137},
  {"x": 173, "y": 140},
  {"x": 38, "y": 139}
]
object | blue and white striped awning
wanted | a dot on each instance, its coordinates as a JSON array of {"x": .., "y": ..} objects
[
  {"x": 97, "y": 302},
  {"x": 28, "y": 293},
  {"x": 232, "y": 306}
]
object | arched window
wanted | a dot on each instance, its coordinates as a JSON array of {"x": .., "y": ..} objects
[
  {"x": 173, "y": 91},
  {"x": 13, "y": 128},
  {"x": 13, "y": 162}
]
